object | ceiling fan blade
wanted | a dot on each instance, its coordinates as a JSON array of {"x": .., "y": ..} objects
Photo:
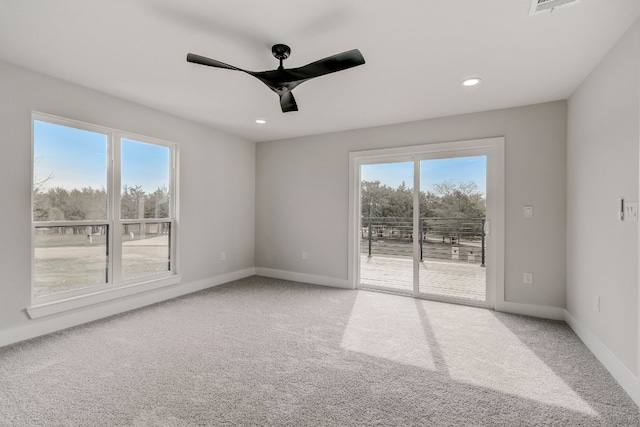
[
  {"x": 339, "y": 62},
  {"x": 203, "y": 60},
  {"x": 288, "y": 102}
]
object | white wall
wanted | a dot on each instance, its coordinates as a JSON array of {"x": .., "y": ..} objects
[
  {"x": 217, "y": 182},
  {"x": 602, "y": 147},
  {"x": 302, "y": 195}
]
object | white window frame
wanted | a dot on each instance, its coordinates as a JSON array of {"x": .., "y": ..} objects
[{"x": 115, "y": 287}]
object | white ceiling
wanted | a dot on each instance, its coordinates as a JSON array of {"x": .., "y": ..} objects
[{"x": 416, "y": 51}]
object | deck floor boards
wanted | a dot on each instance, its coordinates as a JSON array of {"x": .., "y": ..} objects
[{"x": 451, "y": 279}]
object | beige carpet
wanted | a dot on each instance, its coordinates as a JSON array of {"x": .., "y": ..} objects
[{"x": 269, "y": 352}]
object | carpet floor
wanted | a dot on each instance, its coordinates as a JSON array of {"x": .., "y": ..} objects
[{"x": 263, "y": 352}]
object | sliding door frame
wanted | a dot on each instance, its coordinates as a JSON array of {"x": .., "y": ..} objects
[{"x": 494, "y": 149}]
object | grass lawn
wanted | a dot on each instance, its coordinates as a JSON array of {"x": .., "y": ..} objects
[{"x": 65, "y": 261}]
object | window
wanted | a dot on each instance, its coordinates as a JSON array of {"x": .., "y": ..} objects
[{"x": 103, "y": 209}]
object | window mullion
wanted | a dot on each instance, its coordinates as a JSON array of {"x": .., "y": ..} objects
[
  {"x": 416, "y": 226},
  {"x": 114, "y": 200},
  {"x": 173, "y": 208}
]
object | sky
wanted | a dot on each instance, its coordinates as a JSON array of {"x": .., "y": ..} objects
[
  {"x": 456, "y": 169},
  {"x": 145, "y": 164},
  {"x": 77, "y": 158}
]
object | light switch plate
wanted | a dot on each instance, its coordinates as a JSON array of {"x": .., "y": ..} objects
[
  {"x": 631, "y": 211},
  {"x": 528, "y": 211}
]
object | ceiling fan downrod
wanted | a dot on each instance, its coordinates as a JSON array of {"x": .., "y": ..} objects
[{"x": 281, "y": 52}]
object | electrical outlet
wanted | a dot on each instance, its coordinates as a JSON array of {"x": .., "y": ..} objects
[
  {"x": 527, "y": 278},
  {"x": 528, "y": 211},
  {"x": 304, "y": 255},
  {"x": 223, "y": 256}
]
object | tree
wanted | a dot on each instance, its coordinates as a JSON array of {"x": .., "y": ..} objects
[
  {"x": 400, "y": 202},
  {"x": 41, "y": 206},
  {"x": 157, "y": 203},
  {"x": 132, "y": 202},
  {"x": 448, "y": 200},
  {"x": 39, "y": 183},
  {"x": 428, "y": 204},
  {"x": 463, "y": 200},
  {"x": 375, "y": 198}
]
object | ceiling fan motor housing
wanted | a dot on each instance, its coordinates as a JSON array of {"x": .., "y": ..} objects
[{"x": 281, "y": 51}]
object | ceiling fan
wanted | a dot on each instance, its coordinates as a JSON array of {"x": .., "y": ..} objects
[{"x": 283, "y": 81}]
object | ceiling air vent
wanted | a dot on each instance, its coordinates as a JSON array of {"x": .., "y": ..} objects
[{"x": 539, "y": 6}]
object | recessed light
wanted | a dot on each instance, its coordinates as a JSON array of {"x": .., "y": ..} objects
[
  {"x": 472, "y": 81},
  {"x": 261, "y": 121}
]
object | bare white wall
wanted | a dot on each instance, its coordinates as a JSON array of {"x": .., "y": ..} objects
[
  {"x": 602, "y": 152},
  {"x": 217, "y": 180},
  {"x": 302, "y": 194}
]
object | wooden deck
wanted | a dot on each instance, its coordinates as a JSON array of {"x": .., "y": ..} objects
[{"x": 450, "y": 279}]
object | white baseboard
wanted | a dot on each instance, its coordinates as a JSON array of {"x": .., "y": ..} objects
[
  {"x": 620, "y": 373},
  {"x": 627, "y": 380},
  {"x": 215, "y": 281},
  {"x": 49, "y": 324},
  {"x": 543, "y": 311},
  {"x": 304, "y": 278}
]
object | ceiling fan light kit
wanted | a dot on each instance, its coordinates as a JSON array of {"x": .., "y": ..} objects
[{"x": 282, "y": 81}]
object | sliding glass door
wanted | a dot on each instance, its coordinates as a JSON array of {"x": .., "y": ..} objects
[
  {"x": 452, "y": 238},
  {"x": 386, "y": 241},
  {"x": 424, "y": 218}
]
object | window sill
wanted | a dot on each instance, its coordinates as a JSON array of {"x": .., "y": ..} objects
[{"x": 81, "y": 301}]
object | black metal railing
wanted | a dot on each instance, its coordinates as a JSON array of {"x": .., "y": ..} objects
[{"x": 457, "y": 239}]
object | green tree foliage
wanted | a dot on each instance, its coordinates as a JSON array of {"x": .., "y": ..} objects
[
  {"x": 157, "y": 203},
  {"x": 385, "y": 201},
  {"x": 60, "y": 204},
  {"x": 132, "y": 202},
  {"x": 448, "y": 200},
  {"x": 463, "y": 200},
  {"x": 402, "y": 202},
  {"x": 428, "y": 203}
]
